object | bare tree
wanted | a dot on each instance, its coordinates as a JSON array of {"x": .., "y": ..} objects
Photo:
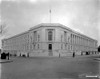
[{"x": 3, "y": 29}]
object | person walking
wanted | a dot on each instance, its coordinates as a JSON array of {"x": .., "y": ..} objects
[
  {"x": 27, "y": 54},
  {"x": 73, "y": 54},
  {"x": 8, "y": 55}
]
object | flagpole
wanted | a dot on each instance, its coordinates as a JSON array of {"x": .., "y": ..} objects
[{"x": 50, "y": 15}]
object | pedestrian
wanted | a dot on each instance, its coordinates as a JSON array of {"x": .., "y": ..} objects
[
  {"x": 73, "y": 54},
  {"x": 8, "y": 55},
  {"x": 27, "y": 54}
]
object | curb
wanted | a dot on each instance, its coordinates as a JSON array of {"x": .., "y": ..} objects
[{"x": 5, "y": 61}]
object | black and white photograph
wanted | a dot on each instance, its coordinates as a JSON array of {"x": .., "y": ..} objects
[{"x": 49, "y": 39}]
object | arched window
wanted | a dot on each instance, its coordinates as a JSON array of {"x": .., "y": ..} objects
[
  {"x": 35, "y": 35},
  {"x": 50, "y": 35}
]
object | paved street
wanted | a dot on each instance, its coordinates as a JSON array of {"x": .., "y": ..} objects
[{"x": 51, "y": 68}]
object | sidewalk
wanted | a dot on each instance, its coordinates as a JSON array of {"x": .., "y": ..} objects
[
  {"x": 5, "y": 61},
  {"x": 92, "y": 55}
]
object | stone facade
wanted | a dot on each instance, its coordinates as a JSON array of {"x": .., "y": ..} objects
[{"x": 49, "y": 39}]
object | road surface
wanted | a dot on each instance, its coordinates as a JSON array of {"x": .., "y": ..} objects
[{"x": 80, "y": 67}]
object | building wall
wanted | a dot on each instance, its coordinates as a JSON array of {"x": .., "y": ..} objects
[
  {"x": 17, "y": 44},
  {"x": 35, "y": 42}
]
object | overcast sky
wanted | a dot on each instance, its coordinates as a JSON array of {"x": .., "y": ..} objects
[{"x": 80, "y": 15}]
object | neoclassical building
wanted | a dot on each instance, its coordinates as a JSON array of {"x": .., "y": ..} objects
[{"x": 49, "y": 39}]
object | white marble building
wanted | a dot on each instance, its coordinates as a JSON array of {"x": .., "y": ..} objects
[{"x": 49, "y": 39}]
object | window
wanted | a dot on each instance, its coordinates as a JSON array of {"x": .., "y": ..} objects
[
  {"x": 38, "y": 46},
  {"x": 61, "y": 38},
  {"x": 65, "y": 33},
  {"x": 68, "y": 47},
  {"x": 31, "y": 38},
  {"x": 50, "y": 35},
  {"x": 61, "y": 46},
  {"x": 65, "y": 46},
  {"x": 2, "y": 43},
  {"x": 38, "y": 38},
  {"x": 27, "y": 47},
  {"x": 71, "y": 38},
  {"x": 71, "y": 48},
  {"x": 34, "y": 46},
  {"x": 35, "y": 35}
]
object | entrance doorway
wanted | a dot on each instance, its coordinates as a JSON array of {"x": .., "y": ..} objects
[
  {"x": 50, "y": 47},
  {"x": 50, "y": 50}
]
